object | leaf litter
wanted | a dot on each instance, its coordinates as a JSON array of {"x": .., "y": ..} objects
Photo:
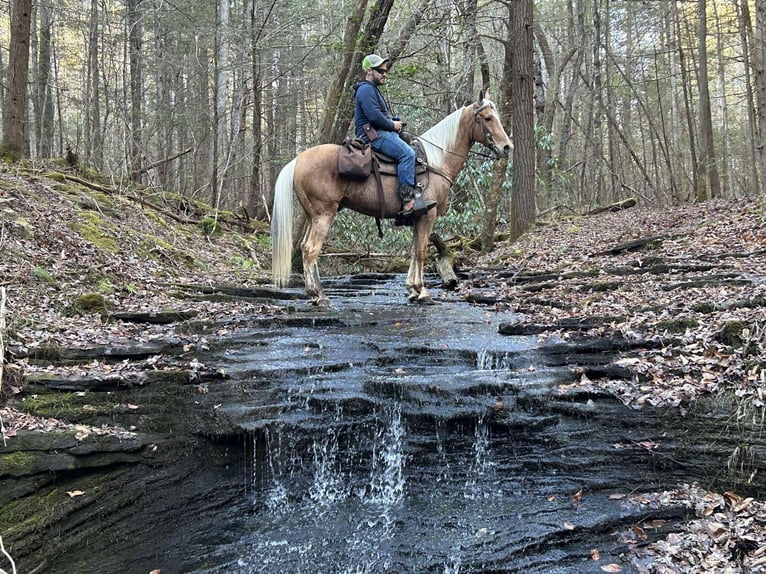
[{"x": 46, "y": 262}]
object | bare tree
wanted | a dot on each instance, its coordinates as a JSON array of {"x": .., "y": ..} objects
[
  {"x": 708, "y": 184},
  {"x": 759, "y": 69},
  {"x": 523, "y": 178},
  {"x": 136, "y": 89},
  {"x": 18, "y": 72}
]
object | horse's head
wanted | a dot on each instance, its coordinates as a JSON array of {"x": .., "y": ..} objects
[{"x": 491, "y": 129}]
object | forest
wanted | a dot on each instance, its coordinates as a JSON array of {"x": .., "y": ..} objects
[{"x": 663, "y": 102}]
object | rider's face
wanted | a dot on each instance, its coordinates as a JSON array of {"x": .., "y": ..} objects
[{"x": 379, "y": 75}]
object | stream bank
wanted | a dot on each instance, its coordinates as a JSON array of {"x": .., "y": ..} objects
[{"x": 371, "y": 437}]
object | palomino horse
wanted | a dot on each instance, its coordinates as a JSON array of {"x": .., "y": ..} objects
[{"x": 313, "y": 177}]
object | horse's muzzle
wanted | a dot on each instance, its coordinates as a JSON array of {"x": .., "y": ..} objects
[{"x": 502, "y": 153}]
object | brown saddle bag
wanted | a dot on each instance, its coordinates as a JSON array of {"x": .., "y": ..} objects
[{"x": 354, "y": 159}]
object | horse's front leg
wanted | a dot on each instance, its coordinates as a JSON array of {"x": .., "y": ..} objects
[{"x": 421, "y": 232}]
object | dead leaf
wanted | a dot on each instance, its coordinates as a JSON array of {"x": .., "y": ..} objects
[
  {"x": 595, "y": 554},
  {"x": 612, "y": 567},
  {"x": 577, "y": 497},
  {"x": 74, "y": 493},
  {"x": 569, "y": 526}
]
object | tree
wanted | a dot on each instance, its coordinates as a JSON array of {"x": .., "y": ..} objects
[
  {"x": 523, "y": 178},
  {"x": 708, "y": 184},
  {"x": 759, "y": 70},
  {"x": 16, "y": 103},
  {"x": 136, "y": 89}
]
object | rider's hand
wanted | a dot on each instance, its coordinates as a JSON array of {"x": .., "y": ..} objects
[{"x": 397, "y": 126}]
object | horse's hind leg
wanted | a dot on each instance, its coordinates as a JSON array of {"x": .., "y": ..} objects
[{"x": 311, "y": 248}]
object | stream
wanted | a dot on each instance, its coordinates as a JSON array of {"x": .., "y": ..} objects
[{"x": 380, "y": 436}]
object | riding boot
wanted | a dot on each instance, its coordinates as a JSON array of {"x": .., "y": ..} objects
[{"x": 413, "y": 204}]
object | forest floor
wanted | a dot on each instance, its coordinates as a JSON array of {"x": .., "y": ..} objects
[{"x": 692, "y": 277}]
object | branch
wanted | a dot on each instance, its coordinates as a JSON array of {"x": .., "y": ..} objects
[
  {"x": 2, "y": 360},
  {"x": 166, "y": 160},
  {"x": 8, "y": 556}
]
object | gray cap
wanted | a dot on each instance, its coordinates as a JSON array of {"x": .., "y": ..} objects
[{"x": 373, "y": 61}]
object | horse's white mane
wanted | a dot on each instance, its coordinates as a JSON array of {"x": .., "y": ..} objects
[{"x": 441, "y": 138}]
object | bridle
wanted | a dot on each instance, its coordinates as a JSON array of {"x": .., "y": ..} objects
[{"x": 477, "y": 119}]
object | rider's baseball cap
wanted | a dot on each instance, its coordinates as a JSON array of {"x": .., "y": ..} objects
[{"x": 373, "y": 61}]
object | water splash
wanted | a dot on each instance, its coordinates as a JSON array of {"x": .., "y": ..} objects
[
  {"x": 387, "y": 474},
  {"x": 492, "y": 361},
  {"x": 481, "y": 463},
  {"x": 328, "y": 486}
]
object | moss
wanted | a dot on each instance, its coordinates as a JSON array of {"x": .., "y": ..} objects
[
  {"x": 105, "y": 286},
  {"x": 69, "y": 406},
  {"x": 704, "y": 308},
  {"x": 17, "y": 463},
  {"x": 21, "y": 226},
  {"x": 210, "y": 226},
  {"x": 51, "y": 353},
  {"x": 91, "y": 303},
  {"x": 29, "y": 514},
  {"x": 94, "y": 229},
  {"x": 43, "y": 276},
  {"x": 679, "y": 325},
  {"x": 732, "y": 334},
  {"x": 10, "y": 154}
]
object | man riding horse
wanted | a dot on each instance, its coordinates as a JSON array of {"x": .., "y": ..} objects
[{"x": 374, "y": 125}]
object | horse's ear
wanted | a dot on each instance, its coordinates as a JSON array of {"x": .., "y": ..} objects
[{"x": 481, "y": 95}]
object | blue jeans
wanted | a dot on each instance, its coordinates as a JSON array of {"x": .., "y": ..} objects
[{"x": 392, "y": 145}]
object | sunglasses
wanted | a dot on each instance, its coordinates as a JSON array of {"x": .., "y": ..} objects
[{"x": 381, "y": 70}]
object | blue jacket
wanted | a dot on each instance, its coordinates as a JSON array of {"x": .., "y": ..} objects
[{"x": 370, "y": 108}]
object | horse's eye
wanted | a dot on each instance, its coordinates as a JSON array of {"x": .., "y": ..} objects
[{"x": 489, "y": 119}]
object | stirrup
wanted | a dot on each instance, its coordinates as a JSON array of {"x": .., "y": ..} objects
[{"x": 421, "y": 205}]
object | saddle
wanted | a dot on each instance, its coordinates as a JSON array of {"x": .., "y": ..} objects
[{"x": 357, "y": 152}]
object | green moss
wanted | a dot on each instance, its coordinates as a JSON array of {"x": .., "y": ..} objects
[
  {"x": 105, "y": 286},
  {"x": 29, "y": 514},
  {"x": 43, "y": 276},
  {"x": 10, "y": 154},
  {"x": 95, "y": 230},
  {"x": 731, "y": 334},
  {"x": 91, "y": 303},
  {"x": 210, "y": 226},
  {"x": 704, "y": 308},
  {"x": 68, "y": 406},
  {"x": 16, "y": 463},
  {"x": 679, "y": 325}
]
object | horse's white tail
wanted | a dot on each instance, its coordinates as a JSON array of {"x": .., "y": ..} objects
[{"x": 282, "y": 227}]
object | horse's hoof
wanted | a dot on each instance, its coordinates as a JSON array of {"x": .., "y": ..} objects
[
  {"x": 427, "y": 300},
  {"x": 322, "y": 302}
]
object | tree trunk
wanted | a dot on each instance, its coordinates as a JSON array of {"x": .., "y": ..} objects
[
  {"x": 759, "y": 69},
  {"x": 523, "y": 182},
  {"x": 745, "y": 35},
  {"x": 708, "y": 184},
  {"x": 94, "y": 151},
  {"x": 368, "y": 41},
  {"x": 350, "y": 38},
  {"x": 18, "y": 72},
  {"x": 43, "y": 99},
  {"x": 136, "y": 89}
]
